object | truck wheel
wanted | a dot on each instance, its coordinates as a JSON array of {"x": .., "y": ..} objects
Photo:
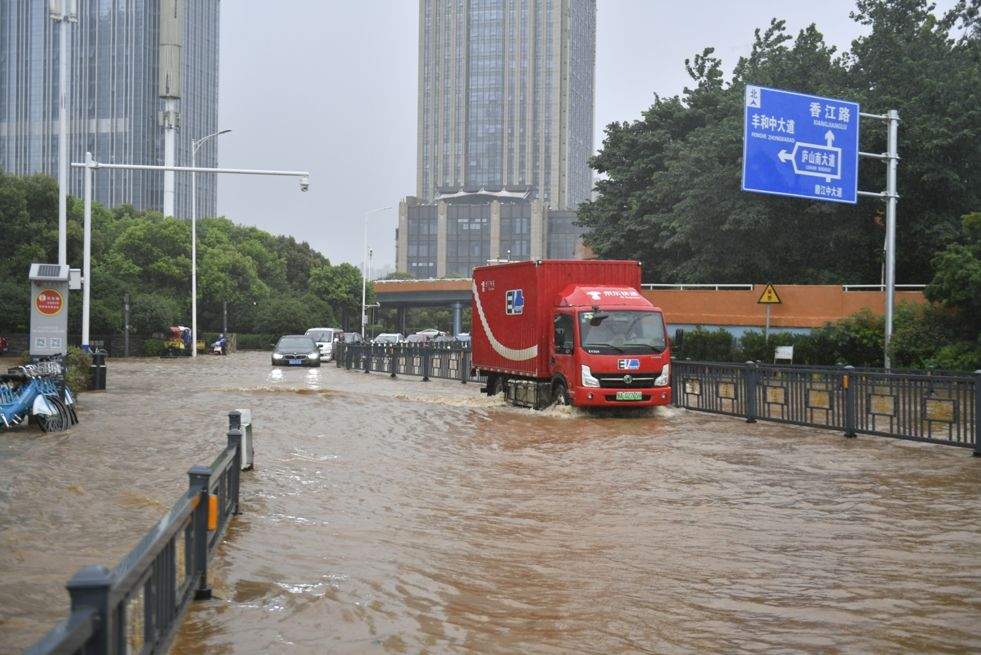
[
  {"x": 560, "y": 395},
  {"x": 494, "y": 384}
]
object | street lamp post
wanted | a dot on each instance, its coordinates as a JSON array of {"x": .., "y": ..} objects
[
  {"x": 364, "y": 269},
  {"x": 91, "y": 165},
  {"x": 195, "y": 144},
  {"x": 63, "y": 12}
]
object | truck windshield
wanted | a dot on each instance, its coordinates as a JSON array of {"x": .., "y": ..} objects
[{"x": 621, "y": 332}]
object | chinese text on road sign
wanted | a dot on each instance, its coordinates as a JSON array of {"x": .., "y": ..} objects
[
  {"x": 769, "y": 296},
  {"x": 800, "y": 145}
]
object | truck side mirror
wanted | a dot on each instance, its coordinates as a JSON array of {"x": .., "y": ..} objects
[{"x": 679, "y": 338}]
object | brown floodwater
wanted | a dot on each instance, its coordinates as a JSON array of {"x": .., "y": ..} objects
[{"x": 395, "y": 516}]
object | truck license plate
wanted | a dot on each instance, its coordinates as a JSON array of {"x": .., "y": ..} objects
[
  {"x": 629, "y": 395},
  {"x": 296, "y": 362}
]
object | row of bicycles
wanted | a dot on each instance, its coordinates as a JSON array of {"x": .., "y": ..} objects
[{"x": 36, "y": 393}]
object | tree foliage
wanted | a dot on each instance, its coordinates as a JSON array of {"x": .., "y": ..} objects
[
  {"x": 272, "y": 284},
  {"x": 670, "y": 193}
]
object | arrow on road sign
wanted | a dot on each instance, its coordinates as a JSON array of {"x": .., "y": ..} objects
[{"x": 816, "y": 159}]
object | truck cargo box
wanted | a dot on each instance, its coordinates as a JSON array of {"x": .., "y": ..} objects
[{"x": 513, "y": 307}]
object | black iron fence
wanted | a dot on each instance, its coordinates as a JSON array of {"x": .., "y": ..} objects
[
  {"x": 137, "y": 606},
  {"x": 449, "y": 360},
  {"x": 939, "y": 408}
]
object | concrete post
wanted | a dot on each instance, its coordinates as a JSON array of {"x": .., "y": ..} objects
[
  {"x": 199, "y": 477},
  {"x": 441, "y": 239},
  {"x": 368, "y": 350},
  {"x": 848, "y": 384},
  {"x": 393, "y": 361},
  {"x": 751, "y": 373},
  {"x": 425, "y": 363},
  {"x": 495, "y": 229},
  {"x": 457, "y": 309},
  {"x": 90, "y": 587}
]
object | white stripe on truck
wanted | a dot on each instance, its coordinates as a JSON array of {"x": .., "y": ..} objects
[{"x": 514, "y": 354}]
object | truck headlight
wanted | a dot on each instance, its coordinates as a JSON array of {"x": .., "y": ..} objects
[
  {"x": 664, "y": 379},
  {"x": 587, "y": 378}
]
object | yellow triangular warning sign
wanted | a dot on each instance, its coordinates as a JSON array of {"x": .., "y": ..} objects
[{"x": 769, "y": 296}]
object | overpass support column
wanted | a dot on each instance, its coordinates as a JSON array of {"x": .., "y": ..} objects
[
  {"x": 400, "y": 319},
  {"x": 457, "y": 308}
]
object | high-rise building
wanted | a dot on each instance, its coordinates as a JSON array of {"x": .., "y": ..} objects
[
  {"x": 115, "y": 108},
  {"x": 506, "y": 97},
  {"x": 505, "y": 132}
]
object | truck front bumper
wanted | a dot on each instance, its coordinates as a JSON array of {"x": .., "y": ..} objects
[{"x": 603, "y": 397}]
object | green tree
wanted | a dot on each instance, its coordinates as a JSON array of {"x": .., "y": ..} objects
[{"x": 670, "y": 193}]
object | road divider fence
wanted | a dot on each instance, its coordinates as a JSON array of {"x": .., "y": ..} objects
[
  {"x": 448, "y": 360},
  {"x": 921, "y": 406},
  {"x": 137, "y": 606}
]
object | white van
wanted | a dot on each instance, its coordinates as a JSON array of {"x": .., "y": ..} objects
[{"x": 324, "y": 338}]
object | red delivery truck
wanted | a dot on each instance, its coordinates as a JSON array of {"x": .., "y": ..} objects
[{"x": 569, "y": 331}]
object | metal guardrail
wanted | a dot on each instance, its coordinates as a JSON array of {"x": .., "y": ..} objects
[
  {"x": 137, "y": 606},
  {"x": 882, "y": 287},
  {"x": 702, "y": 287},
  {"x": 940, "y": 409},
  {"x": 448, "y": 360}
]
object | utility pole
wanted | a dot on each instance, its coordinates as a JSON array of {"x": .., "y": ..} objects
[
  {"x": 224, "y": 318},
  {"x": 171, "y": 29},
  {"x": 126, "y": 325},
  {"x": 63, "y": 12}
]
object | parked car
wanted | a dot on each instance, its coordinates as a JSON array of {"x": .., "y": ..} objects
[
  {"x": 463, "y": 337},
  {"x": 418, "y": 337},
  {"x": 389, "y": 337},
  {"x": 324, "y": 338},
  {"x": 431, "y": 333},
  {"x": 296, "y": 350}
]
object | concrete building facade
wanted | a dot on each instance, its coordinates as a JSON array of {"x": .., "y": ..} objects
[
  {"x": 506, "y": 97},
  {"x": 505, "y": 132},
  {"x": 116, "y": 111}
]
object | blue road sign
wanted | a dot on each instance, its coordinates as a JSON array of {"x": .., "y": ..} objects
[{"x": 800, "y": 145}]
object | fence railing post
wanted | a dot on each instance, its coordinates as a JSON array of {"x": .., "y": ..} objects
[
  {"x": 848, "y": 384},
  {"x": 977, "y": 413},
  {"x": 426, "y": 352},
  {"x": 234, "y": 420},
  {"x": 235, "y": 441},
  {"x": 368, "y": 351},
  {"x": 464, "y": 366},
  {"x": 90, "y": 587},
  {"x": 675, "y": 396},
  {"x": 199, "y": 477},
  {"x": 393, "y": 360},
  {"x": 751, "y": 374}
]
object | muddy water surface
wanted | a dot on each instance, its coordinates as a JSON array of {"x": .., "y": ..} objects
[{"x": 396, "y": 516}]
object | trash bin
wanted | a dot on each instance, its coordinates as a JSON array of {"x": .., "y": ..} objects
[{"x": 97, "y": 380}]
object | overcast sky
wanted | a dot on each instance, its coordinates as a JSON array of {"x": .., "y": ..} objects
[{"x": 329, "y": 86}]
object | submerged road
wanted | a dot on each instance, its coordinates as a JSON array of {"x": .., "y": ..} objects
[{"x": 399, "y": 516}]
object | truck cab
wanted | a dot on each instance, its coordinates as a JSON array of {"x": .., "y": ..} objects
[{"x": 609, "y": 347}]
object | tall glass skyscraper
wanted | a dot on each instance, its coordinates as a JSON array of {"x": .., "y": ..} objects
[
  {"x": 506, "y": 98},
  {"x": 114, "y": 103}
]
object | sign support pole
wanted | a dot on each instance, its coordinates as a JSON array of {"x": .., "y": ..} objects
[
  {"x": 891, "y": 196},
  {"x": 766, "y": 324},
  {"x": 892, "y": 199}
]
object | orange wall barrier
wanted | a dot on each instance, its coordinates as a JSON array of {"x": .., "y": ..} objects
[{"x": 802, "y": 305}]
